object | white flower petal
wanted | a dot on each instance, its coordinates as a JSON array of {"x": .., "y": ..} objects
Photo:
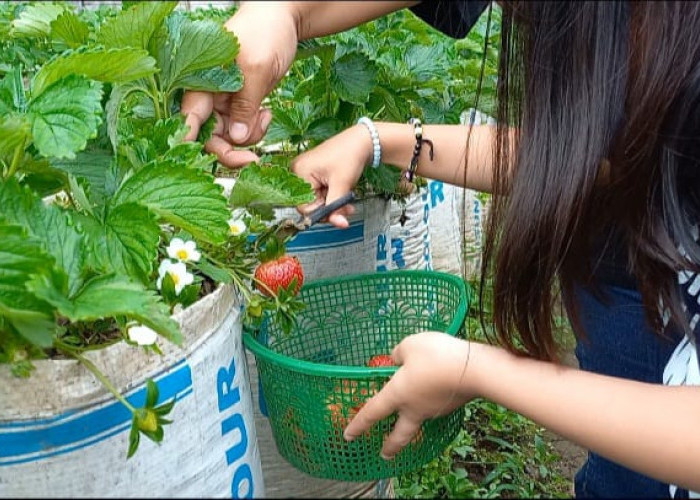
[
  {"x": 164, "y": 267},
  {"x": 237, "y": 226},
  {"x": 142, "y": 335}
]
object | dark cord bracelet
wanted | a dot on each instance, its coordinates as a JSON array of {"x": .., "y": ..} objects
[{"x": 418, "y": 132}]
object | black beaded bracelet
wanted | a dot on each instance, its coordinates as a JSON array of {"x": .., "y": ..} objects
[{"x": 418, "y": 132}]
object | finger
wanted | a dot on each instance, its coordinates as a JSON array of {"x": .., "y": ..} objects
[
  {"x": 197, "y": 107},
  {"x": 262, "y": 121},
  {"x": 404, "y": 431},
  {"x": 244, "y": 111},
  {"x": 228, "y": 156},
  {"x": 337, "y": 189},
  {"x": 375, "y": 409}
]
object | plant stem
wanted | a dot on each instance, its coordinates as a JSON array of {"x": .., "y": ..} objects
[
  {"x": 97, "y": 373},
  {"x": 15, "y": 159},
  {"x": 154, "y": 97}
]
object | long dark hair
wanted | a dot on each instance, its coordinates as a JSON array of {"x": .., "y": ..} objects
[{"x": 605, "y": 101}]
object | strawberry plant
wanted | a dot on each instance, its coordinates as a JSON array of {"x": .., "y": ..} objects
[{"x": 110, "y": 221}]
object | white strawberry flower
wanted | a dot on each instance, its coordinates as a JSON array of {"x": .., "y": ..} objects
[
  {"x": 184, "y": 251},
  {"x": 237, "y": 226},
  {"x": 142, "y": 335},
  {"x": 178, "y": 273}
]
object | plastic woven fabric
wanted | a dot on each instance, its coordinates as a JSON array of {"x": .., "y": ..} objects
[{"x": 315, "y": 380}]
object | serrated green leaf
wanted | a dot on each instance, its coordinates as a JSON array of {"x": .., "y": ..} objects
[
  {"x": 214, "y": 80},
  {"x": 270, "y": 186},
  {"x": 353, "y": 76},
  {"x": 110, "y": 296},
  {"x": 323, "y": 129},
  {"x": 21, "y": 258},
  {"x": 35, "y": 20},
  {"x": 65, "y": 116},
  {"x": 185, "y": 197},
  {"x": 54, "y": 229},
  {"x": 69, "y": 29},
  {"x": 127, "y": 242},
  {"x": 193, "y": 46},
  {"x": 93, "y": 166},
  {"x": 114, "y": 65},
  {"x": 135, "y": 26}
]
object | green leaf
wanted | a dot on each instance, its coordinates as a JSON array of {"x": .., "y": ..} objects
[
  {"x": 192, "y": 46},
  {"x": 185, "y": 197},
  {"x": 214, "y": 80},
  {"x": 114, "y": 65},
  {"x": 134, "y": 438},
  {"x": 54, "y": 229},
  {"x": 12, "y": 95},
  {"x": 70, "y": 29},
  {"x": 136, "y": 26},
  {"x": 323, "y": 129},
  {"x": 108, "y": 297},
  {"x": 35, "y": 20},
  {"x": 353, "y": 76},
  {"x": 216, "y": 273},
  {"x": 15, "y": 132},
  {"x": 151, "y": 393},
  {"x": 21, "y": 258},
  {"x": 93, "y": 166},
  {"x": 127, "y": 242},
  {"x": 65, "y": 116},
  {"x": 272, "y": 186}
]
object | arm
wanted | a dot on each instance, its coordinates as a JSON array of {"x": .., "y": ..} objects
[
  {"x": 268, "y": 33},
  {"x": 334, "y": 167},
  {"x": 320, "y": 18},
  {"x": 649, "y": 428}
]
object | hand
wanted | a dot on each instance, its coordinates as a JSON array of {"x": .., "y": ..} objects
[
  {"x": 267, "y": 35},
  {"x": 435, "y": 377},
  {"x": 333, "y": 168}
]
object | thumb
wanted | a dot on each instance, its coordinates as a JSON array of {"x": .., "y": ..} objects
[{"x": 246, "y": 121}]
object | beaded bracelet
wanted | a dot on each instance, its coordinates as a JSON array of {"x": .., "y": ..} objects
[
  {"x": 418, "y": 132},
  {"x": 376, "y": 147}
]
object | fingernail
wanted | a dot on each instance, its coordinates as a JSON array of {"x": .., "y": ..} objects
[
  {"x": 385, "y": 457},
  {"x": 239, "y": 132},
  {"x": 265, "y": 121},
  {"x": 348, "y": 437}
]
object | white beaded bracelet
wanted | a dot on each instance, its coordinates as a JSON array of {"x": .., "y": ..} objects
[{"x": 377, "y": 149}]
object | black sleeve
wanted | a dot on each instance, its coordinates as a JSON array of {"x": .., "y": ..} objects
[{"x": 453, "y": 18}]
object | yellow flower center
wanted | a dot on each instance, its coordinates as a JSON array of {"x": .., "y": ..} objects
[
  {"x": 175, "y": 277},
  {"x": 182, "y": 254}
]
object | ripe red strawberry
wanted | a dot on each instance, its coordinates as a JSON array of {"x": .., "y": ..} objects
[
  {"x": 380, "y": 360},
  {"x": 279, "y": 273}
]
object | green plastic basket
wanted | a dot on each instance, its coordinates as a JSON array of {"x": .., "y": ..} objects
[{"x": 315, "y": 379}]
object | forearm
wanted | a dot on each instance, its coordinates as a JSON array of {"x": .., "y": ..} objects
[
  {"x": 450, "y": 158},
  {"x": 646, "y": 427},
  {"x": 320, "y": 18}
]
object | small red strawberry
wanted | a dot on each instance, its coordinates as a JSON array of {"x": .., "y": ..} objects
[
  {"x": 279, "y": 273},
  {"x": 380, "y": 360}
]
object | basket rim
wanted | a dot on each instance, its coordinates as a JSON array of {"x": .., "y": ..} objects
[{"x": 360, "y": 372}]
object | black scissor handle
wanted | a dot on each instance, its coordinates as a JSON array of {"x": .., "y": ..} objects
[{"x": 324, "y": 211}]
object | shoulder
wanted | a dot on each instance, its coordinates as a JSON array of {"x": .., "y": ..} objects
[{"x": 454, "y": 18}]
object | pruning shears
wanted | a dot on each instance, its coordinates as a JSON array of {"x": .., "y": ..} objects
[{"x": 288, "y": 228}]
